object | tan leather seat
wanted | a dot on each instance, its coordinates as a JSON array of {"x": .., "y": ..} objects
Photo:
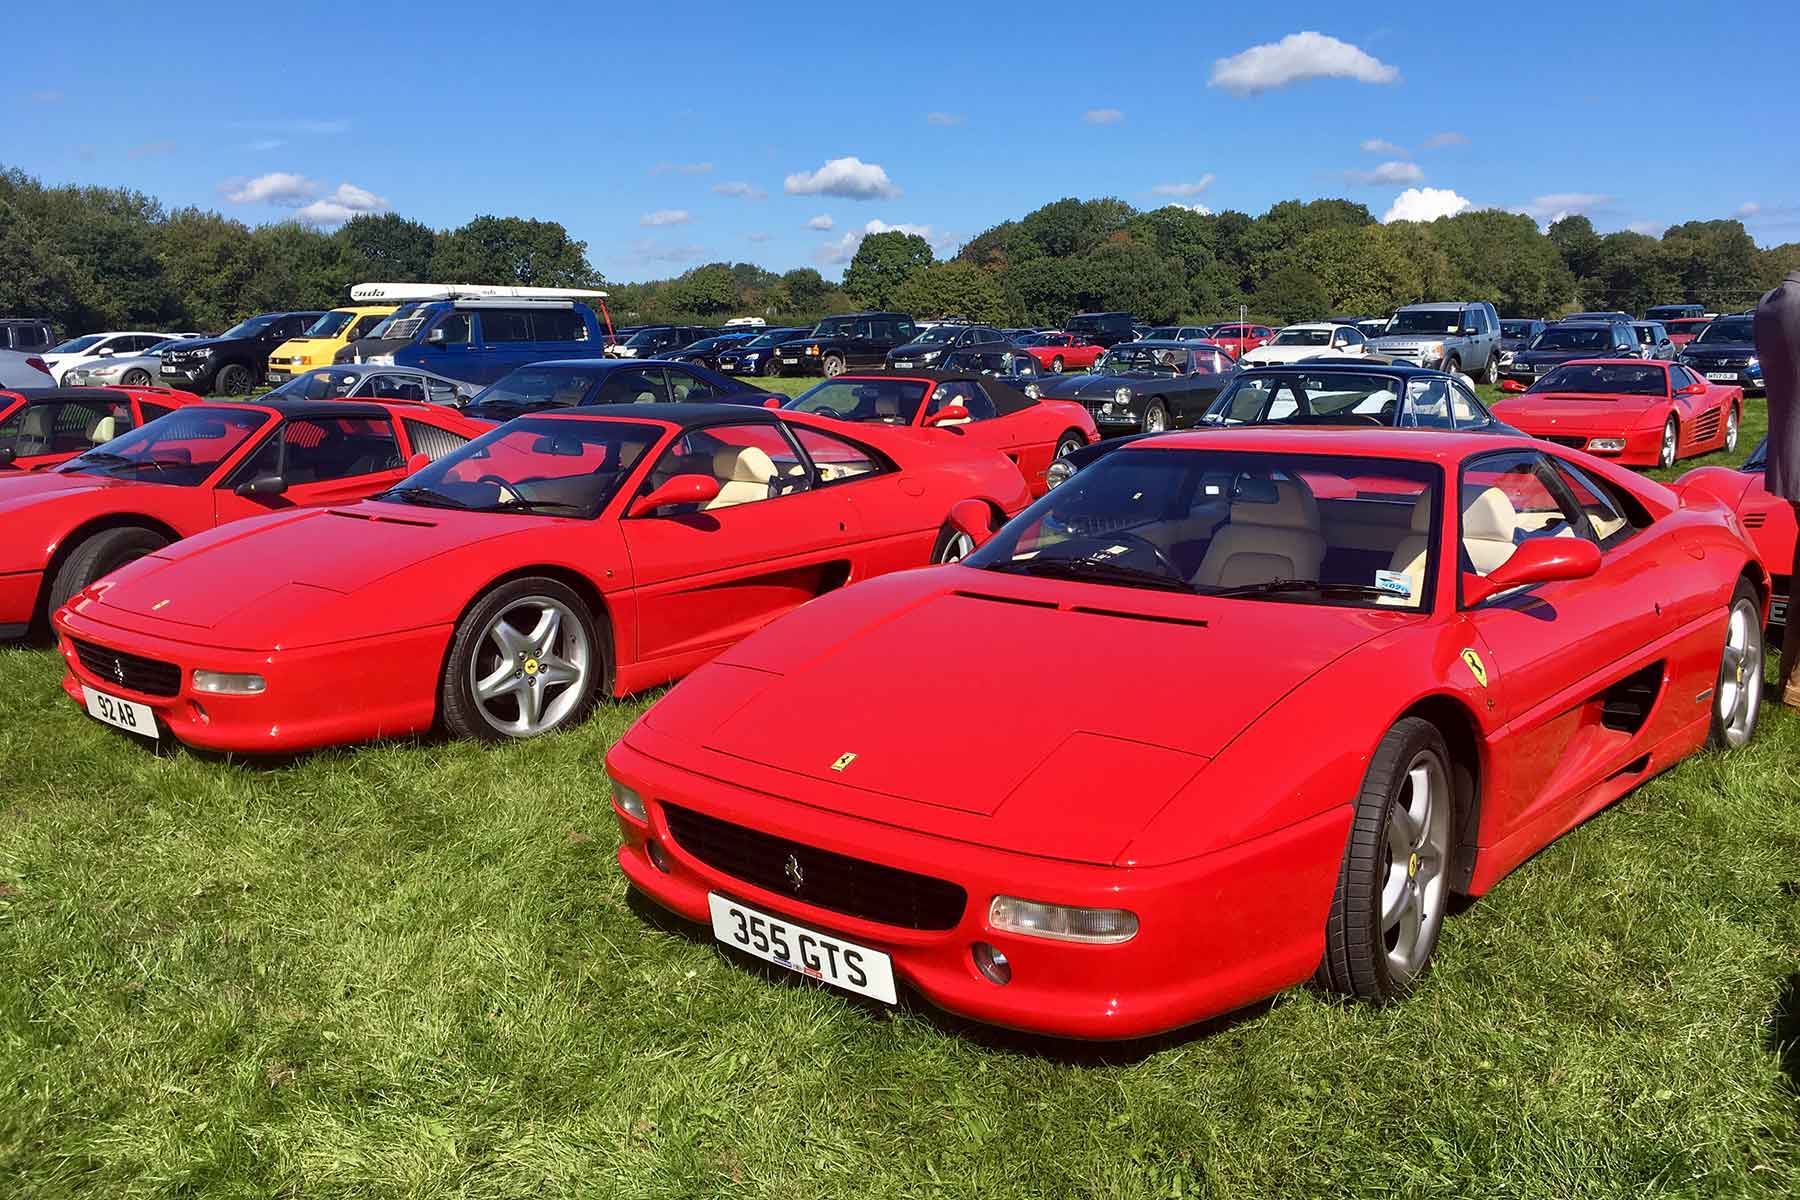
[
  {"x": 744, "y": 474},
  {"x": 1410, "y": 555},
  {"x": 1489, "y": 522},
  {"x": 103, "y": 430},
  {"x": 1266, "y": 539}
]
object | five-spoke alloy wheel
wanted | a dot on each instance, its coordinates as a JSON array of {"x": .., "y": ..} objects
[{"x": 525, "y": 660}]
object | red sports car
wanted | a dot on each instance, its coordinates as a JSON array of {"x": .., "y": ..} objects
[
  {"x": 1768, "y": 519},
  {"x": 1683, "y": 330},
  {"x": 1637, "y": 412},
  {"x": 1235, "y": 339},
  {"x": 1227, "y": 711},
  {"x": 40, "y": 427},
  {"x": 200, "y": 466},
  {"x": 1059, "y": 352},
  {"x": 959, "y": 409},
  {"x": 505, "y": 588}
]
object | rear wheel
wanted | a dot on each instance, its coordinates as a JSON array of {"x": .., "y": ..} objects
[
  {"x": 100, "y": 555},
  {"x": 1056, "y": 364},
  {"x": 136, "y": 378},
  {"x": 772, "y": 367},
  {"x": 953, "y": 545},
  {"x": 833, "y": 366},
  {"x": 1156, "y": 417},
  {"x": 527, "y": 659},
  {"x": 1731, "y": 428},
  {"x": 1491, "y": 375},
  {"x": 1069, "y": 443},
  {"x": 1737, "y": 696},
  {"x": 1671, "y": 442},
  {"x": 233, "y": 379}
]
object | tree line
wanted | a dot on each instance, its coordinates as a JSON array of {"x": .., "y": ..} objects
[{"x": 95, "y": 258}]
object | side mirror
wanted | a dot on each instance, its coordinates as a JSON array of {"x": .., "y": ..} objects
[
  {"x": 682, "y": 489},
  {"x": 262, "y": 485},
  {"x": 104, "y": 352},
  {"x": 418, "y": 462},
  {"x": 1539, "y": 560},
  {"x": 772, "y": 402},
  {"x": 7, "y": 455},
  {"x": 436, "y": 336},
  {"x": 950, "y": 412},
  {"x": 972, "y": 517}
]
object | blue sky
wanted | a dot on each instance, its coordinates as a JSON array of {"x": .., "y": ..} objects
[{"x": 667, "y": 135}]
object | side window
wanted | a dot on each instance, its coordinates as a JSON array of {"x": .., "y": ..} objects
[
  {"x": 322, "y": 449},
  {"x": 505, "y": 325},
  {"x": 862, "y": 329},
  {"x": 360, "y": 328},
  {"x": 833, "y": 458},
  {"x": 451, "y": 330},
  {"x": 153, "y": 411},
  {"x": 1428, "y": 404},
  {"x": 429, "y": 440},
  {"x": 1465, "y": 411},
  {"x": 396, "y": 387},
  {"x": 558, "y": 325},
  {"x": 904, "y": 331},
  {"x": 1508, "y": 499},
  {"x": 1623, "y": 339},
  {"x": 641, "y": 386},
  {"x": 684, "y": 387},
  {"x": 1679, "y": 377},
  {"x": 66, "y": 428},
  {"x": 964, "y": 393},
  {"x": 1607, "y": 513},
  {"x": 751, "y": 461}
]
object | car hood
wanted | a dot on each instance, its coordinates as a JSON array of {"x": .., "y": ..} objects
[
  {"x": 1285, "y": 354},
  {"x": 1536, "y": 357},
  {"x": 201, "y": 345},
  {"x": 22, "y": 489},
  {"x": 1566, "y": 410},
  {"x": 1075, "y": 387},
  {"x": 1018, "y": 747},
  {"x": 1725, "y": 349}
]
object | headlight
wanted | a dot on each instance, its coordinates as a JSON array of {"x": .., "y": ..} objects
[
  {"x": 1752, "y": 365},
  {"x": 1032, "y": 391},
  {"x": 1613, "y": 444},
  {"x": 629, "y": 802},
  {"x": 1435, "y": 350},
  {"x": 225, "y": 683},
  {"x": 1506, "y": 357},
  {"x": 812, "y": 349},
  {"x": 931, "y": 355},
  {"x": 1064, "y": 924},
  {"x": 1123, "y": 395},
  {"x": 1061, "y": 471},
  {"x": 752, "y": 355}
]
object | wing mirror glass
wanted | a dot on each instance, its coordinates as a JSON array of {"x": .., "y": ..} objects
[
  {"x": 418, "y": 462},
  {"x": 682, "y": 489},
  {"x": 950, "y": 412},
  {"x": 1539, "y": 560},
  {"x": 772, "y": 402},
  {"x": 104, "y": 352},
  {"x": 262, "y": 486},
  {"x": 972, "y": 517},
  {"x": 436, "y": 336}
]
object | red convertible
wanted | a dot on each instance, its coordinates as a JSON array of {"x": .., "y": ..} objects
[
  {"x": 40, "y": 427},
  {"x": 506, "y": 588},
  {"x": 975, "y": 409},
  {"x": 1236, "y": 339},
  {"x": 1640, "y": 413},
  {"x": 1768, "y": 519},
  {"x": 1225, "y": 712},
  {"x": 200, "y": 466},
  {"x": 1059, "y": 352}
]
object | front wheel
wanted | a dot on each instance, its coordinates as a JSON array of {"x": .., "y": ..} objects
[
  {"x": 100, "y": 555},
  {"x": 1393, "y": 887},
  {"x": 233, "y": 379},
  {"x": 1453, "y": 364},
  {"x": 1671, "y": 442},
  {"x": 1731, "y": 429},
  {"x": 136, "y": 378},
  {"x": 953, "y": 545},
  {"x": 1069, "y": 443},
  {"x": 772, "y": 367},
  {"x": 1491, "y": 375},
  {"x": 1156, "y": 417},
  {"x": 833, "y": 366},
  {"x": 1737, "y": 696},
  {"x": 1056, "y": 365},
  {"x": 527, "y": 659}
]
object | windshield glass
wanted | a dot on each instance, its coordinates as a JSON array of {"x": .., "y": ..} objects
[
  {"x": 386, "y": 323},
  {"x": 329, "y": 324},
  {"x": 890, "y": 401},
  {"x": 1165, "y": 333},
  {"x": 323, "y": 383},
  {"x": 1626, "y": 378},
  {"x": 1309, "y": 397},
  {"x": 183, "y": 447},
  {"x": 1727, "y": 329},
  {"x": 1302, "y": 337},
  {"x": 74, "y": 345},
  {"x": 1306, "y": 529},
  {"x": 834, "y": 327},
  {"x": 1573, "y": 337},
  {"x": 1515, "y": 329},
  {"x": 1156, "y": 360},
  {"x": 645, "y": 337},
  {"x": 1424, "y": 321},
  {"x": 544, "y": 465},
  {"x": 764, "y": 341},
  {"x": 1687, "y": 325},
  {"x": 937, "y": 335},
  {"x": 248, "y": 328},
  {"x": 541, "y": 386}
]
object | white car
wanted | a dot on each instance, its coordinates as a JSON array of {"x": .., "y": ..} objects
[
  {"x": 125, "y": 370},
  {"x": 21, "y": 370},
  {"x": 90, "y": 348},
  {"x": 1313, "y": 339}
]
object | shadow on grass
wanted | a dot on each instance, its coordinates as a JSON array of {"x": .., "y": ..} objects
[
  {"x": 1064, "y": 1051},
  {"x": 1784, "y": 1031}
]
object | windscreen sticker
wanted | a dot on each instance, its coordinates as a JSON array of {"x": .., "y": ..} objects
[{"x": 1394, "y": 582}]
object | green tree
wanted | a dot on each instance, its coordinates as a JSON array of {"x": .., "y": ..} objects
[
  {"x": 1290, "y": 294},
  {"x": 1632, "y": 272},
  {"x": 1359, "y": 267},
  {"x": 512, "y": 250},
  {"x": 806, "y": 288},
  {"x": 1125, "y": 275},
  {"x": 706, "y": 291},
  {"x": 883, "y": 262},
  {"x": 1071, "y": 226},
  {"x": 33, "y": 279},
  {"x": 208, "y": 262},
  {"x": 1040, "y": 291},
  {"x": 1716, "y": 262},
  {"x": 1502, "y": 257},
  {"x": 1578, "y": 244},
  {"x": 952, "y": 288},
  {"x": 388, "y": 248}
]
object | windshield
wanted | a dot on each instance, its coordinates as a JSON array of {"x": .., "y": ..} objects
[
  {"x": 1156, "y": 360},
  {"x": 890, "y": 401},
  {"x": 387, "y": 323},
  {"x": 323, "y": 383},
  {"x": 1302, "y": 337},
  {"x": 1618, "y": 378},
  {"x": 541, "y": 387},
  {"x": 1424, "y": 320},
  {"x": 645, "y": 337},
  {"x": 1687, "y": 325},
  {"x": 1307, "y": 529},
  {"x": 74, "y": 345},
  {"x": 329, "y": 324},
  {"x": 161, "y": 346},
  {"x": 937, "y": 335},
  {"x": 1300, "y": 397},
  {"x": 543, "y": 465},
  {"x": 248, "y": 328},
  {"x": 183, "y": 447},
  {"x": 1515, "y": 329},
  {"x": 1726, "y": 329},
  {"x": 764, "y": 341},
  {"x": 834, "y": 327},
  {"x": 1573, "y": 337}
]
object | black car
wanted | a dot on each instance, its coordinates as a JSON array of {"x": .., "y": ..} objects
[
  {"x": 1589, "y": 317},
  {"x": 27, "y": 335},
  {"x": 706, "y": 351},
  {"x": 1345, "y": 393},
  {"x": 654, "y": 341},
  {"x": 1149, "y": 386},
  {"x": 235, "y": 361},
  {"x": 756, "y": 356},
  {"x": 1725, "y": 352},
  {"x": 575, "y": 381},
  {"x": 930, "y": 345},
  {"x": 998, "y": 360},
  {"x": 838, "y": 343},
  {"x": 1568, "y": 340},
  {"x": 1102, "y": 329},
  {"x": 1516, "y": 334}
]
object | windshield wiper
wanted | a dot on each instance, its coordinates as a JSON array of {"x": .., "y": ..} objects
[
  {"x": 1271, "y": 587},
  {"x": 421, "y": 495},
  {"x": 1094, "y": 570},
  {"x": 521, "y": 504}
]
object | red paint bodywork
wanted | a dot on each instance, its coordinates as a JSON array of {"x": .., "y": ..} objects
[
  {"x": 1768, "y": 520},
  {"x": 43, "y": 512},
  {"x": 1027, "y": 437},
  {"x": 11, "y": 401},
  {"x": 1076, "y": 354},
  {"x": 1235, "y": 339},
  {"x": 1683, "y": 330},
  {"x": 1700, "y": 417},
  {"x": 348, "y": 611},
  {"x": 1083, "y": 750}
]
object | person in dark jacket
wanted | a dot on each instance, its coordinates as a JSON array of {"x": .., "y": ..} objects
[{"x": 1778, "y": 349}]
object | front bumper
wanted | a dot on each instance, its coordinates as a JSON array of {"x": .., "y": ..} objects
[
  {"x": 1642, "y": 447},
  {"x": 184, "y": 372},
  {"x": 1216, "y": 932},
  {"x": 1746, "y": 378},
  {"x": 18, "y": 599}
]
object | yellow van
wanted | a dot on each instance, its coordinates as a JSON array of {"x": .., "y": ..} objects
[{"x": 323, "y": 339}]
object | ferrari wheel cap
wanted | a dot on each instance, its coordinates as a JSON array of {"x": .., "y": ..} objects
[
  {"x": 1412, "y": 866},
  {"x": 531, "y": 666}
]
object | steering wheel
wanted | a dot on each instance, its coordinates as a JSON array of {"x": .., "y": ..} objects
[
  {"x": 504, "y": 488},
  {"x": 1132, "y": 541}
]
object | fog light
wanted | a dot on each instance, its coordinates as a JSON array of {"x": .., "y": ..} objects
[
  {"x": 629, "y": 802},
  {"x": 1614, "y": 444},
  {"x": 659, "y": 858},
  {"x": 992, "y": 964},
  {"x": 225, "y": 683},
  {"x": 1036, "y": 919}
]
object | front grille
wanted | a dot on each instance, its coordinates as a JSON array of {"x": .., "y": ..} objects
[
  {"x": 1707, "y": 427},
  {"x": 837, "y": 882},
  {"x": 1574, "y": 443},
  {"x": 145, "y": 675}
]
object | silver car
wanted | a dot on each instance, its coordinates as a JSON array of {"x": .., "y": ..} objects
[
  {"x": 1653, "y": 340},
  {"x": 370, "y": 381},
  {"x": 123, "y": 370}
]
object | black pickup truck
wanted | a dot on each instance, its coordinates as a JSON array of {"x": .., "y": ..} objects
[
  {"x": 235, "y": 361},
  {"x": 837, "y": 344}
]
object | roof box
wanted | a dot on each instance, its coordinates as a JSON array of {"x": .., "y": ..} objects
[{"x": 466, "y": 291}]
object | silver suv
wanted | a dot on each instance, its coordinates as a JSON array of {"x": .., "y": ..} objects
[{"x": 1458, "y": 337}]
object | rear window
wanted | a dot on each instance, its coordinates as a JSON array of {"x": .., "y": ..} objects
[
  {"x": 431, "y": 441},
  {"x": 558, "y": 325}
]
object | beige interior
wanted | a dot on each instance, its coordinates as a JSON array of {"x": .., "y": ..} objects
[
  {"x": 744, "y": 474},
  {"x": 1266, "y": 540},
  {"x": 1488, "y": 524},
  {"x": 103, "y": 430}
]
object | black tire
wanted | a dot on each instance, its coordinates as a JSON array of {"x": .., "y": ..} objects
[
  {"x": 1356, "y": 959},
  {"x": 136, "y": 378},
  {"x": 771, "y": 367},
  {"x": 1738, "y": 691},
  {"x": 1670, "y": 448},
  {"x": 462, "y": 713},
  {"x": 232, "y": 379},
  {"x": 1453, "y": 364},
  {"x": 832, "y": 366},
  {"x": 1056, "y": 365},
  {"x": 99, "y": 555},
  {"x": 1491, "y": 375},
  {"x": 953, "y": 545},
  {"x": 1156, "y": 417},
  {"x": 1070, "y": 441}
]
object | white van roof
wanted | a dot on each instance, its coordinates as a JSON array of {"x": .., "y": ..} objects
[{"x": 467, "y": 291}]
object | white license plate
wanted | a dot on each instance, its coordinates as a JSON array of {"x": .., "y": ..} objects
[
  {"x": 905, "y": 364},
  {"x": 786, "y": 359},
  {"x": 1727, "y": 376},
  {"x": 801, "y": 950},
  {"x": 128, "y": 715}
]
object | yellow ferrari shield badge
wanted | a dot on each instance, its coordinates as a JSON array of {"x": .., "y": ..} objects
[
  {"x": 1476, "y": 667},
  {"x": 843, "y": 761}
]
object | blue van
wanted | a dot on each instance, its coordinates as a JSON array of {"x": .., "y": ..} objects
[{"x": 481, "y": 340}]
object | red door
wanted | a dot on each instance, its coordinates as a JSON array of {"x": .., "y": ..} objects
[{"x": 321, "y": 460}]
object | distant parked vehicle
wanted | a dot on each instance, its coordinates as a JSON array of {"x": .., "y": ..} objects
[
  {"x": 90, "y": 347},
  {"x": 41, "y": 427},
  {"x": 1683, "y": 330},
  {"x": 1589, "y": 317},
  {"x": 1516, "y": 334},
  {"x": 536, "y": 387},
  {"x": 235, "y": 361},
  {"x": 1149, "y": 386},
  {"x": 1177, "y": 333},
  {"x": 318, "y": 344},
  {"x": 366, "y": 381},
  {"x": 997, "y": 360},
  {"x": 1102, "y": 329},
  {"x": 654, "y": 341},
  {"x": 26, "y": 334},
  {"x": 707, "y": 350},
  {"x": 1653, "y": 340},
  {"x": 924, "y": 351},
  {"x": 131, "y": 370},
  {"x": 1235, "y": 339},
  {"x": 1313, "y": 339},
  {"x": 1057, "y": 351},
  {"x": 1725, "y": 352},
  {"x": 478, "y": 338},
  {"x": 756, "y": 356},
  {"x": 1670, "y": 312},
  {"x": 1564, "y": 342},
  {"x": 23, "y": 370},
  {"x": 1457, "y": 336},
  {"x": 839, "y": 343}
]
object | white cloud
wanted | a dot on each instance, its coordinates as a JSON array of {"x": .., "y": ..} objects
[
  {"x": 1449, "y": 137},
  {"x": 1749, "y": 208},
  {"x": 1782, "y": 215},
  {"x": 345, "y": 202},
  {"x": 945, "y": 118},
  {"x": 1297, "y": 57},
  {"x": 844, "y": 248},
  {"x": 850, "y": 178},
  {"x": 295, "y": 126},
  {"x": 1424, "y": 204},
  {"x": 1387, "y": 173},
  {"x": 663, "y": 168},
  {"x": 277, "y": 187},
  {"x": 1193, "y": 208},
  {"x": 1554, "y": 207},
  {"x": 759, "y": 236},
  {"x": 665, "y": 216},
  {"x": 822, "y": 221},
  {"x": 1191, "y": 188},
  {"x": 1383, "y": 146},
  {"x": 1103, "y": 116},
  {"x": 740, "y": 189}
]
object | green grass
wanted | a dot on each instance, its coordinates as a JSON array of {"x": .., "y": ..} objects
[{"x": 412, "y": 970}]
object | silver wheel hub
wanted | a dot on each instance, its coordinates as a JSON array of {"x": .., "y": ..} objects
[
  {"x": 960, "y": 546},
  {"x": 530, "y": 667},
  {"x": 1418, "y": 850},
  {"x": 1741, "y": 674},
  {"x": 1670, "y": 437}
]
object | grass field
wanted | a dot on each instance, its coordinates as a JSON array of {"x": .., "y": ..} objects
[{"x": 413, "y": 970}]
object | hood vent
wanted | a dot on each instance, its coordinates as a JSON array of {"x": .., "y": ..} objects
[
  {"x": 992, "y": 599},
  {"x": 1085, "y": 609},
  {"x": 355, "y": 516}
]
